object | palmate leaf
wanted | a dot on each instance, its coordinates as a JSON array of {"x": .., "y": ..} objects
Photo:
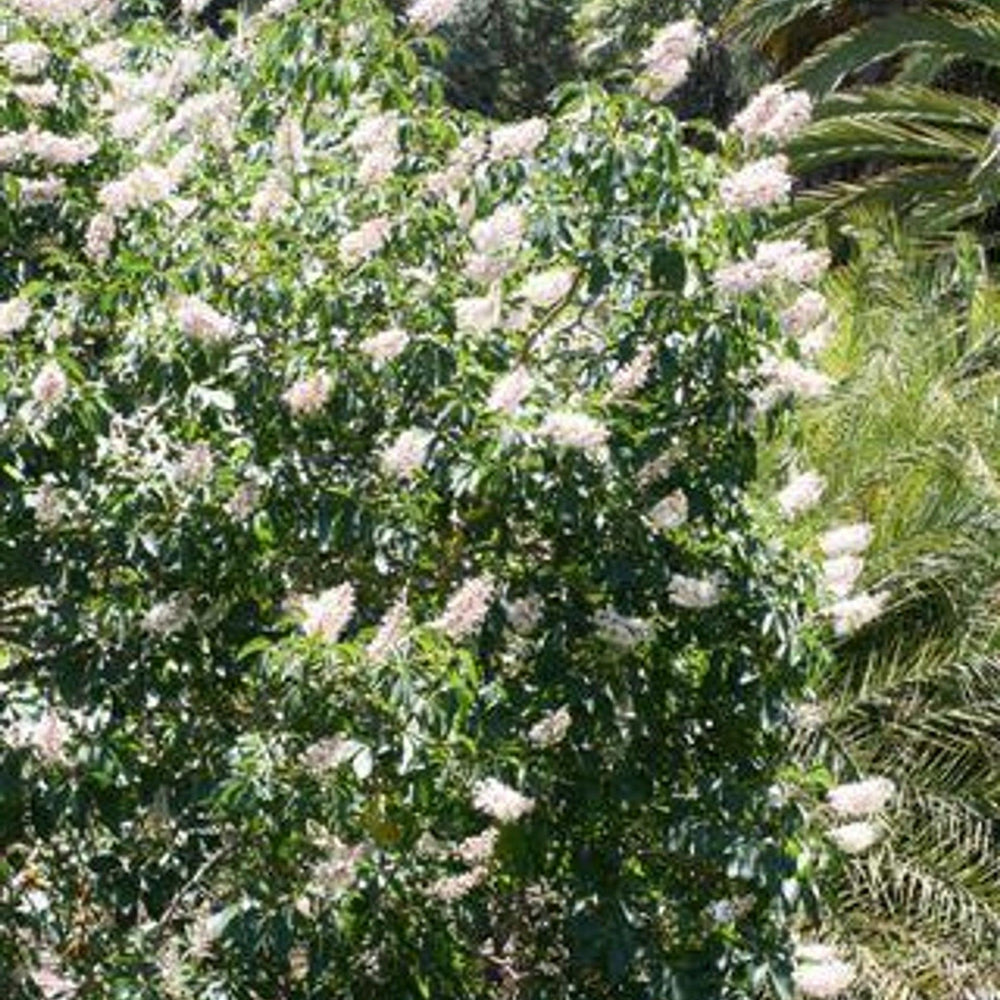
[{"x": 974, "y": 38}]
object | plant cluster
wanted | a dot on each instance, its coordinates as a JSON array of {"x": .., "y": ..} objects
[{"x": 382, "y": 610}]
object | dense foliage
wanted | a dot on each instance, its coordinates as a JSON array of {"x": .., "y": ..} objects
[{"x": 382, "y": 613}]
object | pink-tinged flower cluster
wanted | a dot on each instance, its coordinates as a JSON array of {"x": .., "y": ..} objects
[
  {"x": 510, "y": 391},
  {"x": 570, "y": 429},
  {"x": 37, "y": 95},
  {"x": 204, "y": 117},
  {"x": 244, "y": 501},
  {"x": 25, "y": 59},
  {"x": 450, "y": 888},
  {"x": 194, "y": 465},
  {"x": 41, "y": 190},
  {"x": 846, "y": 539},
  {"x": 694, "y": 593},
  {"x": 500, "y": 802},
  {"x": 450, "y": 182},
  {"x": 671, "y": 512},
  {"x": 787, "y": 377},
  {"x": 390, "y": 636},
  {"x": 375, "y": 132},
  {"x": 820, "y": 972},
  {"x": 48, "y": 736},
  {"x": 328, "y": 614},
  {"x": 774, "y": 113},
  {"x": 272, "y": 200},
  {"x": 551, "y": 728},
  {"x": 50, "y": 385},
  {"x": 792, "y": 261},
  {"x": 777, "y": 260},
  {"x": 200, "y": 321},
  {"x": 49, "y": 506},
  {"x": 486, "y": 269},
  {"x": 51, "y": 981},
  {"x": 667, "y": 60},
  {"x": 47, "y": 147},
  {"x": 476, "y": 315},
  {"x": 377, "y": 165},
  {"x": 290, "y": 150},
  {"x": 544, "y": 289},
  {"x": 107, "y": 56},
  {"x": 141, "y": 188},
  {"x": 855, "y": 838},
  {"x": 804, "y": 313},
  {"x": 168, "y": 616},
  {"x": 338, "y": 870},
  {"x": 406, "y": 455},
  {"x": 853, "y": 613},
  {"x": 467, "y": 608},
  {"x": 620, "y": 630},
  {"x": 524, "y": 613},
  {"x": 518, "y": 139},
  {"x": 802, "y": 491},
  {"x": 861, "y": 798},
  {"x": 62, "y": 11},
  {"x": 101, "y": 231},
  {"x": 479, "y": 847},
  {"x": 631, "y": 377},
  {"x": 365, "y": 241},
  {"x": 387, "y": 345},
  {"x": 327, "y": 754},
  {"x": 427, "y": 15},
  {"x": 758, "y": 185},
  {"x": 499, "y": 233},
  {"x": 15, "y": 314},
  {"x": 307, "y": 396},
  {"x": 841, "y": 573},
  {"x": 815, "y": 341}
]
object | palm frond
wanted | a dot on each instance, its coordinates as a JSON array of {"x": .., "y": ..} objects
[
  {"x": 950, "y": 36},
  {"x": 902, "y": 102},
  {"x": 863, "y": 135},
  {"x": 756, "y": 21},
  {"x": 936, "y": 905},
  {"x": 935, "y": 198},
  {"x": 909, "y": 442}
]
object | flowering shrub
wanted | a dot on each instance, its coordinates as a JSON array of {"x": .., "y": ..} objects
[{"x": 383, "y": 615}]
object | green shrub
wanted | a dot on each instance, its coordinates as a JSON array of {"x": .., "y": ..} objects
[{"x": 249, "y": 408}]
